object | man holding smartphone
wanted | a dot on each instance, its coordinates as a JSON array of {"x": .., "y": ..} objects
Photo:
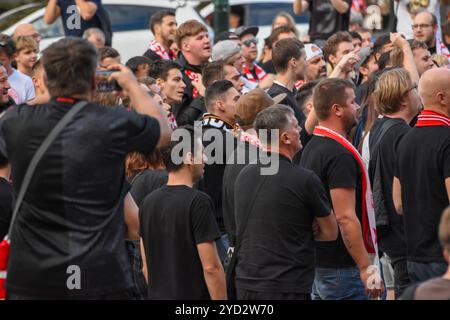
[{"x": 68, "y": 240}]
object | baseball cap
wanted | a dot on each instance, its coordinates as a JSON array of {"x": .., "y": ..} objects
[
  {"x": 243, "y": 30},
  {"x": 312, "y": 51},
  {"x": 225, "y": 49},
  {"x": 249, "y": 105},
  {"x": 226, "y": 35}
]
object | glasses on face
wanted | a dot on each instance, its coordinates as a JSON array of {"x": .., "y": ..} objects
[
  {"x": 421, "y": 26},
  {"x": 249, "y": 42},
  {"x": 414, "y": 87}
]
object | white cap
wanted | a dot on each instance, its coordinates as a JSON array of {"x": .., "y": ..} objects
[{"x": 312, "y": 51}]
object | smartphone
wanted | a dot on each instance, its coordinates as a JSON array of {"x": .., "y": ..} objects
[{"x": 103, "y": 83}]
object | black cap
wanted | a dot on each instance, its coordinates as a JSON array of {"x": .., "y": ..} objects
[
  {"x": 226, "y": 35},
  {"x": 243, "y": 30}
]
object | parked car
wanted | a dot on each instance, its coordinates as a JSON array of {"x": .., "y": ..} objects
[
  {"x": 129, "y": 19},
  {"x": 261, "y": 13}
]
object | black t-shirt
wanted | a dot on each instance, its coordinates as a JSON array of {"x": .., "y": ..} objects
[
  {"x": 146, "y": 182},
  {"x": 337, "y": 168},
  {"x": 151, "y": 55},
  {"x": 234, "y": 166},
  {"x": 5, "y": 207},
  {"x": 326, "y": 20},
  {"x": 277, "y": 248},
  {"x": 269, "y": 67},
  {"x": 72, "y": 213},
  {"x": 361, "y": 92},
  {"x": 192, "y": 112},
  {"x": 423, "y": 164},
  {"x": 173, "y": 221},
  {"x": 391, "y": 238},
  {"x": 291, "y": 101}
]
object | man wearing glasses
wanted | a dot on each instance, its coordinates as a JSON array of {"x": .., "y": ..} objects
[{"x": 254, "y": 73}]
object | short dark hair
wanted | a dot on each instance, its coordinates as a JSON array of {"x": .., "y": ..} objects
[
  {"x": 213, "y": 71},
  {"x": 274, "y": 117},
  {"x": 417, "y": 44},
  {"x": 332, "y": 44},
  {"x": 355, "y": 35},
  {"x": 284, "y": 50},
  {"x": 328, "y": 92},
  {"x": 10, "y": 46},
  {"x": 69, "y": 65},
  {"x": 158, "y": 17},
  {"x": 380, "y": 42},
  {"x": 166, "y": 152},
  {"x": 107, "y": 52},
  {"x": 135, "y": 62},
  {"x": 384, "y": 60},
  {"x": 279, "y": 30},
  {"x": 214, "y": 91},
  {"x": 160, "y": 68},
  {"x": 305, "y": 92}
]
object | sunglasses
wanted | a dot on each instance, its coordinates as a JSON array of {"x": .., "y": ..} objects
[{"x": 249, "y": 42}]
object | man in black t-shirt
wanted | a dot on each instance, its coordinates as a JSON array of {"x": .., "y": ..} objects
[
  {"x": 288, "y": 57},
  {"x": 421, "y": 189},
  {"x": 68, "y": 239},
  {"x": 275, "y": 215},
  {"x": 217, "y": 126},
  {"x": 342, "y": 266},
  {"x": 327, "y": 17},
  {"x": 178, "y": 230},
  {"x": 398, "y": 108},
  {"x": 5, "y": 195}
]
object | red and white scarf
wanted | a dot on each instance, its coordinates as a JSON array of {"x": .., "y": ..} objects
[
  {"x": 298, "y": 84},
  {"x": 161, "y": 52},
  {"x": 441, "y": 48},
  {"x": 194, "y": 77},
  {"x": 368, "y": 212},
  {"x": 428, "y": 118},
  {"x": 260, "y": 73}
]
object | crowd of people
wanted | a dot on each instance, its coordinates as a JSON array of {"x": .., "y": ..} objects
[{"x": 157, "y": 189}]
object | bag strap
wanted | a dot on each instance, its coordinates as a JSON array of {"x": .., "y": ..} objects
[
  {"x": 383, "y": 130},
  {"x": 38, "y": 155}
]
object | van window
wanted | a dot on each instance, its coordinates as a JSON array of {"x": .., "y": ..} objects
[{"x": 130, "y": 17}]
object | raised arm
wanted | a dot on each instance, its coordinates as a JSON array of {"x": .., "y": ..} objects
[
  {"x": 52, "y": 12},
  {"x": 87, "y": 9},
  {"x": 300, "y": 6},
  {"x": 212, "y": 270},
  {"x": 141, "y": 101},
  {"x": 408, "y": 57}
]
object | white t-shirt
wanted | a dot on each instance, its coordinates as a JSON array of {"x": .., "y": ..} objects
[
  {"x": 408, "y": 8},
  {"x": 22, "y": 88}
]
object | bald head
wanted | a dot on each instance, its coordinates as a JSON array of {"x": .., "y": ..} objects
[
  {"x": 434, "y": 89},
  {"x": 27, "y": 29}
]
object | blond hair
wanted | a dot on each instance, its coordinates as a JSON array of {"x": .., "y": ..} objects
[
  {"x": 390, "y": 90},
  {"x": 444, "y": 230},
  {"x": 440, "y": 59},
  {"x": 189, "y": 28},
  {"x": 25, "y": 42}
]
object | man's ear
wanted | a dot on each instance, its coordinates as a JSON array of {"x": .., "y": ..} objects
[
  {"x": 337, "y": 110},
  {"x": 157, "y": 29},
  {"x": 332, "y": 60},
  {"x": 160, "y": 82},
  {"x": 219, "y": 106},
  {"x": 284, "y": 138}
]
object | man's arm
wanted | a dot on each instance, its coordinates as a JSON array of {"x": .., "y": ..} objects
[
  {"x": 131, "y": 211},
  {"x": 52, "y": 12},
  {"x": 343, "y": 200},
  {"x": 87, "y": 9},
  {"x": 300, "y": 6},
  {"x": 212, "y": 270},
  {"x": 447, "y": 186},
  {"x": 144, "y": 261},
  {"x": 408, "y": 57},
  {"x": 397, "y": 195},
  {"x": 340, "y": 6},
  {"x": 141, "y": 100},
  {"x": 326, "y": 228}
]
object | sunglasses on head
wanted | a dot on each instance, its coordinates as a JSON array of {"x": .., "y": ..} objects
[{"x": 249, "y": 42}]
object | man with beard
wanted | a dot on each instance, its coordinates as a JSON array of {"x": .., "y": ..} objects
[
  {"x": 5, "y": 100},
  {"x": 316, "y": 67},
  {"x": 164, "y": 27},
  {"x": 425, "y": 28},
  {"x": 342, "y": 266},
  {"x": 195, "y": 50}
]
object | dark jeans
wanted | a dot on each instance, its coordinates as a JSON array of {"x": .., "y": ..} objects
[
  {"x": 134, "y": 253},
  {"x": 253, "y": 295},
  {"x": 123, "y": 295},
  {"x": 423, "y": 271},
  {"x": 401, "y": 276}
]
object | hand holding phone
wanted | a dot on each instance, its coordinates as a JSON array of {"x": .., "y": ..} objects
[{"x": 104, "y": 83}]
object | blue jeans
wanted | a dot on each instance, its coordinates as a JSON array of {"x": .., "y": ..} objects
[
  {"x": 222, "y": 245},
  {"x": 338, "y": 284},
  {"x": 423, "y": 271}
]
